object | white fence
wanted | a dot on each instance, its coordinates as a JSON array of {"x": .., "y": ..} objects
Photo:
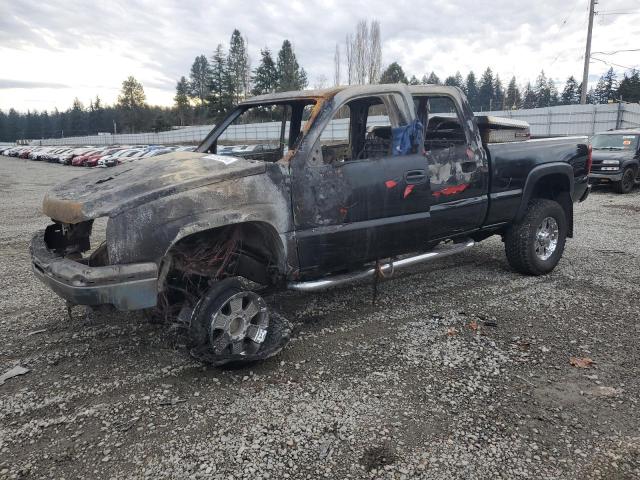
[
  {"x": 568, "y": 120},
  {"x": 558, "y": 121}
]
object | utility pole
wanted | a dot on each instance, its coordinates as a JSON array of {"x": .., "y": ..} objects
[{"x": 587, "y": 53}]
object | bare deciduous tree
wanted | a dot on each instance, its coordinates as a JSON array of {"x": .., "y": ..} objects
[
  {"x": 364, "y": 53},
  {"x": 361, "y": 51},
  {"x": 348, "y": 48},
  {"x": 336, "y": 66},
  {"x": 375, "y": 52},
  {"x": 321, "y": 82}
]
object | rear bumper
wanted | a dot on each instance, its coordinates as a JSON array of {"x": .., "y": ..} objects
[
  {"x": 581, "y": 189},
  {"x": 126, "y": 287},
  {"x": 585, "y": 194},
  {"x": 612, "y": 177}
]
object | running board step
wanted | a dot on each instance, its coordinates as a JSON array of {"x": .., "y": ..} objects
[{"x": 327, "y": 282}]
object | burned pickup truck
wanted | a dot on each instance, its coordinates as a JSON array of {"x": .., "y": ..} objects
[{"x": 347, "y": 183}]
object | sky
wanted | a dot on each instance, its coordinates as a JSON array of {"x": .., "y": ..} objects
[{"x": 54, "y": 51}]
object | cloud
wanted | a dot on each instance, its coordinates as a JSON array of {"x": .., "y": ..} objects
[
  {"x": 7, "y": 83},
  {"x": 84, "y": 44}
]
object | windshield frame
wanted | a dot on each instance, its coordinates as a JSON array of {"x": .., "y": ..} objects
[{"x": 209, "y": 144}]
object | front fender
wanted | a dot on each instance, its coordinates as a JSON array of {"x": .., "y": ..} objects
[
  {"x": 632, "y": 162},
  {"x": 147, "y": 232}
]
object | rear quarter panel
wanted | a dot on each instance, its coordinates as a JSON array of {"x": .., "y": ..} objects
[{"x": 512, "y": 163}]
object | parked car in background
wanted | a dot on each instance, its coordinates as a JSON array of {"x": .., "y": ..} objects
[
  {"x": 39, "y": 153},
  {"x": 93, "y": 156},
  {"x": 93, "y": 159},
  {"x": 111, "y": 160},
  {"x": 80, "y": 160},
  {"x": 74, "y": 153},
  {"x": 126, "y": 155},
  {"x": 225, "y": 149},
  {"x": 157, "y": 151},
  {"x": 616, "y": 159}
]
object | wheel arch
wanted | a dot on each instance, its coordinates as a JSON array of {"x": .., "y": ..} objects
[
  {"x": 631, "y": 162},
  {"x": 553, "y": 181},
  {"x": 264, "y": 252}
]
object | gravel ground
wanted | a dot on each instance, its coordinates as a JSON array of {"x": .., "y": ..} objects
[{"x": 460, "y": 371}]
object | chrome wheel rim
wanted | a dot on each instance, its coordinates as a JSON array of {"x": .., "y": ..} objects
[
  {"x": 240, "y": 325},
  {"x": 546, "y": 238}
]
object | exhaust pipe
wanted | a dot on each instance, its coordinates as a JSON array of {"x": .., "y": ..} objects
[{"x": 327, "y": 282}]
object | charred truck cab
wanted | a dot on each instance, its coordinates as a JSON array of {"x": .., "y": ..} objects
[{"x": 332, "y": 186}]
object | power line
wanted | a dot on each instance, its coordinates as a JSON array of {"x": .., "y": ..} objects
[
  {"x": 617, "y": 12},
  {"x": 611, "y": 63},
  {"x": 562, "y": 24},
  {"x": 617, "y": 51}
]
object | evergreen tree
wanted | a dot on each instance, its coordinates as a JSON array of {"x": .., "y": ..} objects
[
  {"x": 44, "y": 125},
  {"x": 3, "y": 127},
  {"x": 554, "y": 96},
  {"x": 513, "y": 99},
  {"x": 413, "y": 80},
  {"x": 132, "y": 101},
  {"x": 454, "y": 80},
  {"x": 238, "y": 66},
  {"x": 393, "y": 74},
  {"x": 13, "y": 125},
  {"x": 543, "y": 94},
  {"x": 265, "y": 77},
  {"x": 200, "y": 79},
  {"x": 485, "y": 90},
  {"x": 499, "y": 94},
  {"x": 570, "y": 94},
  {"x": 220, "y": 88},
  {"x": 629, "y": 87},
  {"x": 433, "y": 79},
  {"x": 303, "y": 80},
  {"x": 471, "y": 89},
  {"x": 606, "y": 88},
  {"x": 56, "y": 124},
  {"x": 529, "y": 98},
  {"x": 182, "y": 99},
  {"x": 424, "y": 80},
  {"x": 290, "y": 76},
  {"x": 75, "y": 123},
  {"x": 131, "y": 95},
  {"x": 96, "y": 115}
]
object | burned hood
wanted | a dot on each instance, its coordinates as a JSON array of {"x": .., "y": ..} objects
[{"x": 117, "y": 189}]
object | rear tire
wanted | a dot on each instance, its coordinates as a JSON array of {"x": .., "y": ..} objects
[
  {"x": 535, "y": 245},
  {"x": 625, "y": 185}
]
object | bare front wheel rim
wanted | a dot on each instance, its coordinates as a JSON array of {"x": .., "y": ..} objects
[
  {"x": 239, "y": 326},
  {"x": 546, "y": 240}
]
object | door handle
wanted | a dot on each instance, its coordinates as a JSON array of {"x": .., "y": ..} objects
[
  {"x": 414, "y": 177},
  {"x": 468, "y": 167}
]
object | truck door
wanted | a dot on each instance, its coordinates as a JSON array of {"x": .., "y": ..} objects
[
  {"x": 458, "y": 173},
  {"x": 353, "y": 200}
]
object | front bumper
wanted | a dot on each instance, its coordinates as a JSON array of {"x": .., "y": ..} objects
[
  {"x": 126, "y": 287},
  {"x": 612, "y": 177}
]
